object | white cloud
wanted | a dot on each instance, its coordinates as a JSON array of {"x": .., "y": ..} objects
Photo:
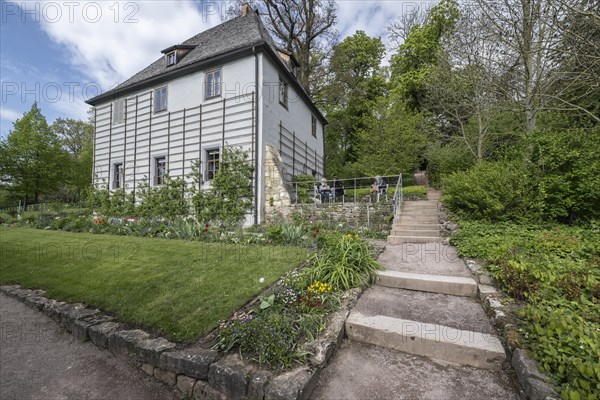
[
  {"x": 10, "y": 115},
  {"x": 373, "y": 17},
  {"x": 110, "y": 41}
]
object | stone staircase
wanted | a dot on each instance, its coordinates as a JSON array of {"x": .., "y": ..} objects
[
  {"x": 417, "y": 221},
  {"x": 422, "y": 313},
  {"x": 417, "y": 261}
]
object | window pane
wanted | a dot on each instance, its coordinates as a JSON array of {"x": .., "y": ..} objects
[
  {"x": 160, "y": 170},
  {"x": 212, "y": 164},
  {"x": 213, "y": 84},
  {"x": 160, "y": 99}
]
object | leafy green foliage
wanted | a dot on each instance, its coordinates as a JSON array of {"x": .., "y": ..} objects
[
  {"x": 444, "y": 160},
  {"x": 344, "y": 262},
  {"x": 392, "y": 141},
  {"x": 230, "y": 196},
  {"x": 275, "y": 331},
  {"x": 33, "y": 160},
  {"x": 302, "y": 185},
  {"x": 556, "y": 270},
  {"x": 353, "y": 95},
  {"x": 418, "y": 54},
  {"x": 566, "y": 166},
  {"x": 496, "y": 191},
  {"x": 164, "y": 201},
  {"x": 77, "y": 136}
]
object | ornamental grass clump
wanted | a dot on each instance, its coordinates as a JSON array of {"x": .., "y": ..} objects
[{"x": 344, "y": 262}]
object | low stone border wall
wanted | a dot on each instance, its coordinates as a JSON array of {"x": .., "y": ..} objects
[
  {"x": 535, "y": 384},
  {"x": 196, "y": 372}
]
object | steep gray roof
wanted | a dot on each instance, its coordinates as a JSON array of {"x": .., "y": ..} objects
[
  {"x": 235, "y": 36},
  {"x": 240, "y": 32}
]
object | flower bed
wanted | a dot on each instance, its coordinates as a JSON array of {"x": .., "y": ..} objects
[{"x": 276, "y": 331}]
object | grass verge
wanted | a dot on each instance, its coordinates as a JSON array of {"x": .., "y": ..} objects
[{"x": 181, "y": 289}]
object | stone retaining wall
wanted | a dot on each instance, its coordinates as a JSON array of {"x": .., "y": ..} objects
[
  {"x": 197, "y": 372},
  {"x": 373, "y": 216}
]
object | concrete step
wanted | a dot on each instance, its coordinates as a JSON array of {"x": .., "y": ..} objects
[
  {"x": 413, "y": 232},
  {"x": 425, "y": 205},
  {"x": 454, "y": 285},
  {"x": 441, "y": 342},
  {"x": 360, "y": 371},
  {"x": 424, "y": 258},
  {"x": 405, "y": 219},
  {"x": 427, "y": 212},
  {"x": 417, "y": 227},
  {"x": 412, "y": 239},
  {"x": 458, "y": 312}
]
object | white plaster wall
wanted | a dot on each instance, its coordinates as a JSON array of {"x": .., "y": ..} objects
[{"x": 296, "y": 118}]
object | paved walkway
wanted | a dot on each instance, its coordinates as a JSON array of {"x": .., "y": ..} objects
[
  {"x": 40, "y": 361},
  {"x": 434, "y": 362}
]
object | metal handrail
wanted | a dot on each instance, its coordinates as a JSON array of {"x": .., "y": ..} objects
[
  {"x": 398, "y": 198},
  {"x": 354, "y": 185}
]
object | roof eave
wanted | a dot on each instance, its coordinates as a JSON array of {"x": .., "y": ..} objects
[{"x": 168, "y": 75}]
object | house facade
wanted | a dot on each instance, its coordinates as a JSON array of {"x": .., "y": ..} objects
[{"x": 227, "y": 86}]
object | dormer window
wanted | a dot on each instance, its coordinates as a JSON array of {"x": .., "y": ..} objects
[
  {"x": 175, "y": 54},
  {"x": 171, "y": 58}
]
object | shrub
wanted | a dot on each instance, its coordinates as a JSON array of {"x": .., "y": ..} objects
[
  {"x": 344, "y": 262},
  {"x": 165, "y": 201},
  {"x": 565, "y": 165},
  {"x": 495, "y": 191},
  {"x": 231, "y": 193},
  {"x": 414, "y": 193},
  {"x": 445, "y": 160}
]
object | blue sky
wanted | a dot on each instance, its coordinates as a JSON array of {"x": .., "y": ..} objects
[{"x": 59, "y": 53}]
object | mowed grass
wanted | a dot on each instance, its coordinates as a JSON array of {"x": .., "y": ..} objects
[{"x": 180, "y": 288}]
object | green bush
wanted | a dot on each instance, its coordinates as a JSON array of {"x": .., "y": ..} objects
[
  {"x": 565, "y": 167},
  {"x": 495, "y": 191},
  {"x": 344, "y": 262},
  {"x": 414, "y": 193},
  {"x": 230, "y": 197},
  {"x": 445, "y": 160},
  {"x": 274, "y": 331}
]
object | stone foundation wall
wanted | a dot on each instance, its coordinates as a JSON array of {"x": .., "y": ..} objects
[{"x": 277, "y": 190}]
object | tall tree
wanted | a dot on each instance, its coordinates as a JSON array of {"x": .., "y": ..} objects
[
  {"x": 418, "y": 55},
  {"x": 394, "y": 140},
  {"x": 77, "y": 138},
  {"x": 32, "y": 160},
  {"x": 352, "y": 96},
  {"x": 400, "y": 28},
  {"x": 303, "y": 27}
]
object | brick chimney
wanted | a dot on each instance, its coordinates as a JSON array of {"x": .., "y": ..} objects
[{"x": 246, "y": 9}]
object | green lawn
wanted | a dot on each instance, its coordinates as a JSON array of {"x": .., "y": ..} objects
[{"x": 180, "y": 288}]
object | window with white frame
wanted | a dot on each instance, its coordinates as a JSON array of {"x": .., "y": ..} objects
[
  {"x": 118, "y": 176},
  {"x": 160, "y": 169},
  {"x": 283, "y": 92},
  {"x": 212, "y": 163},
  {"x": 212, "y": 84},
  {"x": 160, "y": 99},
  {"x": 314, "y": 126},
  {"x": 171, "y": 58},
  {"x": 118, "y": 112}
]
